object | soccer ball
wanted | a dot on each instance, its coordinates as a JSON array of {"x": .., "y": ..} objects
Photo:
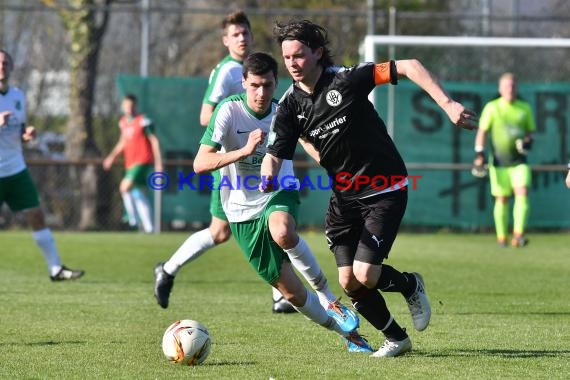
[{"x": 186, "y": 342}]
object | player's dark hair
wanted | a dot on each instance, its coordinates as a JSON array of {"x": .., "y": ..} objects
[
  {"x": 236, "y": 18},
  {"x": 131, "y": 97},
  {"x": 259, "y": 64},
  {"x": 7, "y": 55},
  {"x": 309, "y": 34}
]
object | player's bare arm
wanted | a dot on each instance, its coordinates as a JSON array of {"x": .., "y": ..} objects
[
  {"x": 206, "y": 113},
  {"x": 525, "y": 144},
  {"x": 270, "y": 167},
  {"x": 29, "y": 133},
  {"x": 209, "y": 159},
  {"x": 480, "y": 141},
  {"x": 310, "y": 149},
  {"x": 417, "y": 73},
  {"x": 4, "y": 115},
  {"x": 156, "y": 153},
  {"x": 118, "y": 149}
]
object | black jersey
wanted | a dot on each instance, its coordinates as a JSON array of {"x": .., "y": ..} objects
[{"x": 342, "y": 124}]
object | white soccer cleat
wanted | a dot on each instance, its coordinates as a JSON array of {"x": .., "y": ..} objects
[
  {"x": 418, "y": 304},
  {"x": 391, "y": 349}
]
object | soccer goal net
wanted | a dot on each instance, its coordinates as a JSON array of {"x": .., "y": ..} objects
[
  {"x": 469, "y": 68},
  {"x": 480, "y": 60}
]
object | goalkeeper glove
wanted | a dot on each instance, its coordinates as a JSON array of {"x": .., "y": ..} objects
[
  {"x": 523, "y": 145},
  {"x": 479, "y": 168}
]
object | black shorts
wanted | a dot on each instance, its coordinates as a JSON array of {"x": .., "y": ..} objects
[{"x": 364, "y": 229}]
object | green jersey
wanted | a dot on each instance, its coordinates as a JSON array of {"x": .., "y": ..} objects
[
  {"x": 507, "y": 122},
  {"x": 225, "y": 80}
]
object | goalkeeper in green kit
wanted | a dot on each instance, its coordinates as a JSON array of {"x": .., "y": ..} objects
[{"x": 510, "y": 123}]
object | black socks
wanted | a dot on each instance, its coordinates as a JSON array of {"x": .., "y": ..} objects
[
  {"x": 393, "y": 281},
  {"x": 372, "y": 306}
]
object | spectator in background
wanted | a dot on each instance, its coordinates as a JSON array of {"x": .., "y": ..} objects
[
  {"x": 16, "y": 186},
  {"x": 140, "y": 148},
  {"x": 510, "y": 123}
]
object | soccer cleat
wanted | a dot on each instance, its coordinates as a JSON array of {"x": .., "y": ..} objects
[
  {"x": 390, "y": 349},
  {"x": 519, "y": 241},
  {"x": 65, "y": 274},
  {"x": 346, "y": 318},
  {"x": 282, "y": 306},
  {"x": 502, "y": 243},
  {"x": 418, "y": 304},
  {"x": 163, "y": 283},
  {"x": 356, "y": 343}
]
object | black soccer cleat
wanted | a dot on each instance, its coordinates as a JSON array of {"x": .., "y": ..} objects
[
  {"x": 163, "y": 283},
  {"x": 65, "y": 274}
]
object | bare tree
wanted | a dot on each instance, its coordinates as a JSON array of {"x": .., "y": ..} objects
[{"x": 85, "y": 22}]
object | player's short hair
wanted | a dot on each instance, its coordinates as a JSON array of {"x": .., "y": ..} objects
[
  {"x": 508, "y": 75},
  {"x": 259, "y": 64},
  {"x": 235, "y": 18},
  {"x": 131, "y": 97},
  {"x": 308, "y": 33},
  {"x": 7, "y": 56}
]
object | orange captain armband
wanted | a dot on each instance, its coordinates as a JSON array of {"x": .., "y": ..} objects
[{"x": 385, "y": 73}]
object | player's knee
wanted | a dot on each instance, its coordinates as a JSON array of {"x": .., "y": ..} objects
[
  {"x": 344, "y": 281},
  {"x": 365, "y": 278},
  {"x": 221, "y": 234},
  {"x": 35, "y": 218},
  {"x": 502, "y": 199},
  {"x": 125, "y": 186},
  {"x": 348, "y": 282},
  {"x": 283, "y": 236}
]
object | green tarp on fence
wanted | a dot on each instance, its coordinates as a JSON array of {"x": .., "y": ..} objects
[{"x": 422, "y": 133}]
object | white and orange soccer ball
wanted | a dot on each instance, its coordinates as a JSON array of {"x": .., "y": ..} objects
[{"x": 186, "y": 342}]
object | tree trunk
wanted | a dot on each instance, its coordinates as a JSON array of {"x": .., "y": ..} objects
[
  {"x": 80, "y": 142},
  {"x": 85, "y": 33}
]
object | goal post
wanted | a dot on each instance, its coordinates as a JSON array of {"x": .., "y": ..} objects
[
  {"x": 441, "y": 155},
  {"x": 371, "y": 42}
]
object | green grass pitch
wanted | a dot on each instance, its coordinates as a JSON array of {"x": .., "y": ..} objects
[{"x": 497, "y": 313}]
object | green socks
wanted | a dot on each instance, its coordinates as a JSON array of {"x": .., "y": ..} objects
[
  {"x": 501, "y": 215},
  {"x": 520, "y": 214}
]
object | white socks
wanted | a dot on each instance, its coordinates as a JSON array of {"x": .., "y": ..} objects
[
  {"x": 129, "y": 208},
  {"x": 136, "y": 203},
  {"x": 142, "y": 206},
  {"x": 44, "y": 240},
  {"x": 315, "y": 312},
  {"x": 304, "y": 261},
  {"x": 190, "y": 250}
]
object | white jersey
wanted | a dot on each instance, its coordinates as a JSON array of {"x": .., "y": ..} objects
[
  {"x": 11, "y": 156},
  {"x": 229, "y": 130},
  {"x": 225, "y": 80}
]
